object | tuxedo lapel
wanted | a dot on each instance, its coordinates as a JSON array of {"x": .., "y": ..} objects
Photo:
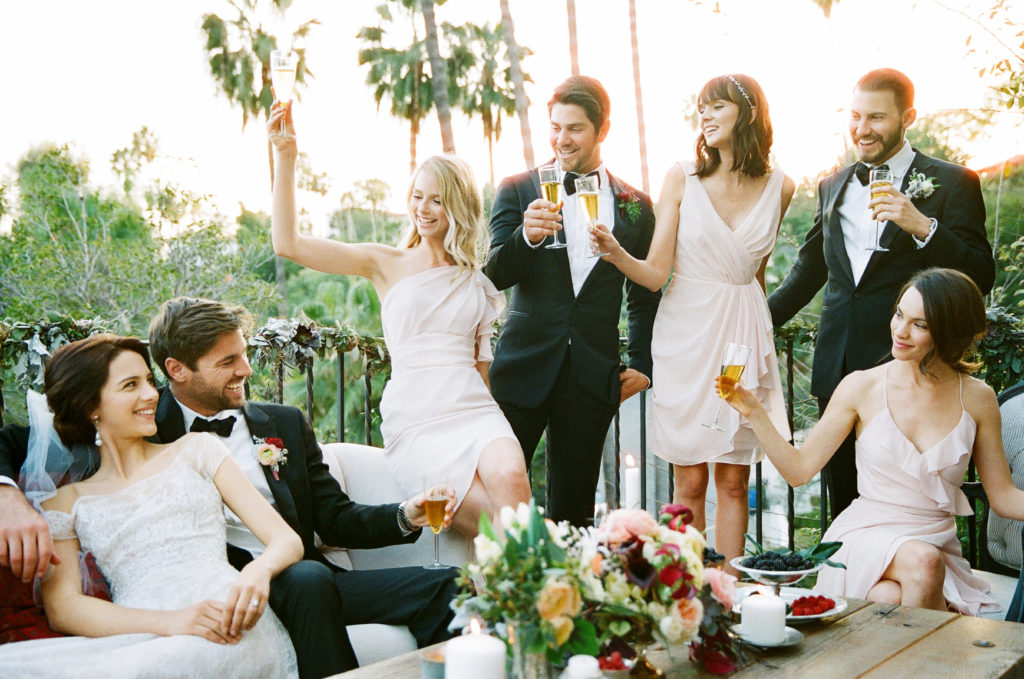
[
  {"x": 619, "y": 230},
  {"x": 170, "y": 422},
  {"x": 891, "y": 230},
  {"x": 835, "y": 191},
  {"x": 263, "y": 427}
]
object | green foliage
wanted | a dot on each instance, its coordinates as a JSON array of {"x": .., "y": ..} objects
[{"x": 1001, "y": 350}]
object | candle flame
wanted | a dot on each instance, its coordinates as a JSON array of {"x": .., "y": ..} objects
[
  {"x": 474, "y": 626},
  {"x": 630, "y": 461}
]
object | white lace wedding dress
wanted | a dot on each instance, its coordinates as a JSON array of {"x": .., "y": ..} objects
[{"x": 161, "y": 544}]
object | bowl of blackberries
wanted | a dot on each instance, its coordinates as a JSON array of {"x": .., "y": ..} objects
[{"x": 785, "y": 567}]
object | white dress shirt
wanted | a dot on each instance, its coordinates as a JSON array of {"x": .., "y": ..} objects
[
  {"x": 244, "y": 451},
  {"x": 855, "y": 216}
]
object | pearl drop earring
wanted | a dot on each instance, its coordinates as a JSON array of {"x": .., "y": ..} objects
[{"x": 96, "y": 423}]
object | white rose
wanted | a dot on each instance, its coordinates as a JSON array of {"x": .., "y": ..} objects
[
  {"x": 523, "y": 514},
  {"x": 671, "y": 628},
  {"x": 507, "y": 516},
  {"x": 487, "y": 550}
]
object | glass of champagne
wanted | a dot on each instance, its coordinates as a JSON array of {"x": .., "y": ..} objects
[
  {"x": 733, "y": 363},
  {"x": 283, "y": 64},
  {"x": 434, "y": 504},
  {"x": 587, "y": 193},
  {"x": 549, "y": 191},
  {"x": 880, "y": 182}
]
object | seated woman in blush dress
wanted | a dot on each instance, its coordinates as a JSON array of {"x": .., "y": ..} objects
[
  {"x": 153, "y": 516},
  {"x": 439, "y": 421},
  {"x": 918, "y": 419}
]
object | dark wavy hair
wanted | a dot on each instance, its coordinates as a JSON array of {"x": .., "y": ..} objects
[
  {"x": 752, "y": 135},
  {"x": 588, "y": 94},
  {"x": 955, "y": 312},
  {"x": 74, "y": 377},
  {"x": 186, "y": 328}
]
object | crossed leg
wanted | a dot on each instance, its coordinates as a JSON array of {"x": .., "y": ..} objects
[
  {"x": 914, "y": 578},
  {"x": 500, "y": 480}
]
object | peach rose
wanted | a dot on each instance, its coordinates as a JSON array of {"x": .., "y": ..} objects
[
  {"x": 690, "y": 612},
  {"x": 623, "y": 525},
  {"x": 558, "y": 599}
]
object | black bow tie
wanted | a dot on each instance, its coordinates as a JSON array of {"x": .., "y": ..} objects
[
  {"x": 221, "y": 427},
  {"x": 569, "y": 181},
  {"x": 863, "y": 172}
]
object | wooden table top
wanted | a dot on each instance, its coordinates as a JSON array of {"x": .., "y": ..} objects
[{"x": 879, "y": 641}]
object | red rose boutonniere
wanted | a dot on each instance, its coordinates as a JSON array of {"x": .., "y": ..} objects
[
  {"x": 270, "y": 452},
  {"x": 629, "y": 205}
]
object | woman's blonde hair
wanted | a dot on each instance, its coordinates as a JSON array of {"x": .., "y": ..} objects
[{"x": 466, "y": 239}]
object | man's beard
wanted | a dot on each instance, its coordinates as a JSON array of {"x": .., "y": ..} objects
[
  {"x": 215, "y": 398},
  {"x": 887, "y": 147}
]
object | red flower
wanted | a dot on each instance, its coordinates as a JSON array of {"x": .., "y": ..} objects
[
  {"x": 275, "y": 441},
  {"x": 717, "y": 662},
  {"x": 671, "y": 574}
]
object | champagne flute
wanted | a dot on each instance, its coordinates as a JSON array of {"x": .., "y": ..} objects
[
  {"x": 587, "y": 193},
  {"x": 549, "y": 190},
  {"x": 733, "y": 363},
  {"x": 283, "y": 64},
  {"x": 434, "y": 503},
  {"x": 880, "y": 182}
]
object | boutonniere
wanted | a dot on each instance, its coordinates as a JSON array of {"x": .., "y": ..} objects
[
  {"x": 270, "y": 452},
  {"x": 919, "y": 186},
  {"x": 629, "y": 205}
]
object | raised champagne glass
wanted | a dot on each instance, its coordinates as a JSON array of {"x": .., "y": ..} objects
[
  {"x": 733, "y": 363},
  {"x": 283, "y": 64},
  {"x": 880, "y": 182},
  {"x": 434, "y": 503},
  {"x": 587, "y": 189},
  {"x": 549, "y": 191}
]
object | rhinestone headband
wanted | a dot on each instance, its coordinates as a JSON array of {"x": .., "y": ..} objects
[{"x": 742, "y": 90}]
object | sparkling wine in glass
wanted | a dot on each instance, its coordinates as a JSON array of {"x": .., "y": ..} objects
[
  {"x": 733, "y": 363},
  {"x": 434, "y": 505},
  {"x": 880, "y": 182},
  {"x": 549, "y": 189},
  {"x": 587, "y": 193},
  {"x": 283, "y": 64}
]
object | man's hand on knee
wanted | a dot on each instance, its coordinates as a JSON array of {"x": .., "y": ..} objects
[{"x": 25, "y": 544}]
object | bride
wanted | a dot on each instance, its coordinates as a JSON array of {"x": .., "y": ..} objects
[
  {"x": 439, "y": 421},
  {"x": 153, "y": 517}
]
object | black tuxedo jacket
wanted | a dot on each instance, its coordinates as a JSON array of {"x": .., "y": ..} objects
[
  {"x": 853, "y": 332},
  {"x": 544, "y": 316},
  {"x": 307, "y": 496}
]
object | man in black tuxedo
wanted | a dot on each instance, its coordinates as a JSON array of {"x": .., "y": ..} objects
[
  {"x": 936, "y": 218},
  {"x": 200, "y": 346},
  {"x": 557, "y": 365}
]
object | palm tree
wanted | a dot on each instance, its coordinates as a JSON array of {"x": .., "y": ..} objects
[
  {"x": 487, "y": 89},
  {"x": 243, "y": 73},
  {"x": 398, "y": 75},
  {"x": 438, "y": 76},
  {"x": 639, "y": 97},
  {"x": 522, "y": 102},
  {"x": 574, "y": 54}
]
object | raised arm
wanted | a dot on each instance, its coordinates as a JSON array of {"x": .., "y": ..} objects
[
  {"x": 651, "y": 272},
  {"x": 322, "y": 254}
]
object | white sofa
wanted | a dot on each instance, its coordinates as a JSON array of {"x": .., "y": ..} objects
[{"x": 364, "y": 475}]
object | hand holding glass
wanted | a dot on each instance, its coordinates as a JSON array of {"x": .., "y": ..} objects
[
  {"x": 434, "y": 502},
  {"x": 283, "y": 64},
  {"x": 587, "y": 189},
  {"x": 733, "y": 363},
  {"x": 880, "y": 182},
  {"x": 549, "y": 191}
]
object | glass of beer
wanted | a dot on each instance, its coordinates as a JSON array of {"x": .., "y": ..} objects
[
  {"x": 880, "y": 182},
  {"x": 587, "y": 193},
  {"x": 733, "y": 363},
  {"x": 283, "y": 64},
  {"x": 549, "y": 191},
  {"x": 434, "y": 503}
]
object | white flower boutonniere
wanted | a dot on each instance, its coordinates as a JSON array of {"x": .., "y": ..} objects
[
  {"x": 919, "y": 186},
  {"x": 270, "y": 452}
]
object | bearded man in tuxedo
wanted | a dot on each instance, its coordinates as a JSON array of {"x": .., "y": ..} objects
[{"x": 934, "y": 215}]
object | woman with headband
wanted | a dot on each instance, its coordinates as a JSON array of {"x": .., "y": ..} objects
[{"x": 717, "y": 221}]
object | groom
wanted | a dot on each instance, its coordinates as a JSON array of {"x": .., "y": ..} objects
[
  {"x": 200, "y": 346},
  {"x": 936, "y": 218},
  {"x": 556, "y": 364}
]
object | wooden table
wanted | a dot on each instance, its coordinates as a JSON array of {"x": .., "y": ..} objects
[{"x": 879, "y": 641}]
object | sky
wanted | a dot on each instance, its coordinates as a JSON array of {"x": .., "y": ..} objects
[{"x": 92, "y": 73}]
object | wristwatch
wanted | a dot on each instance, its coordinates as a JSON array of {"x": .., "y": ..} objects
[
  {"x": 403, "y": 520},
  {"x": 932, "y": 225}
]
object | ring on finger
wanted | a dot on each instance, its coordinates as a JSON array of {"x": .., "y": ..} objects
[{"x": 254, "y": 603}]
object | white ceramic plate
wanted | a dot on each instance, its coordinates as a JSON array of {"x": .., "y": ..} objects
[
  {"x": 793, "y": 637},
  {"x": 791, "y": 594}
]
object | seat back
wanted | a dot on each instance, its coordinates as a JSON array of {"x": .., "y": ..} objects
[{"x": 1004, "y": 535}]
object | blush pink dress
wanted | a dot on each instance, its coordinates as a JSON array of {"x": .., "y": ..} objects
[
  {"x": 714, "y": 298},
  {"x": 437, "y": 415},
  {"x": 906, "y": 494}
]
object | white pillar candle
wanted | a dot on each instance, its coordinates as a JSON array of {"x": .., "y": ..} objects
[
  {"x": 763, "y": 619},
  {"x": 474, "y": 656},
  {"x": 631, "y": 484}
]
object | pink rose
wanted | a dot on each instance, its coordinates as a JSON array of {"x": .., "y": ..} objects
[
  {"x": 723, "y": 586},
  {"x": 623, "y": 525},
  {"x": 691, "y": 613}
]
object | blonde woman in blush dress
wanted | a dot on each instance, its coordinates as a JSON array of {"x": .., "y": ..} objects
[
  {"x": 437, "y": 310},
  {"x": 717, "y": 222}
]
